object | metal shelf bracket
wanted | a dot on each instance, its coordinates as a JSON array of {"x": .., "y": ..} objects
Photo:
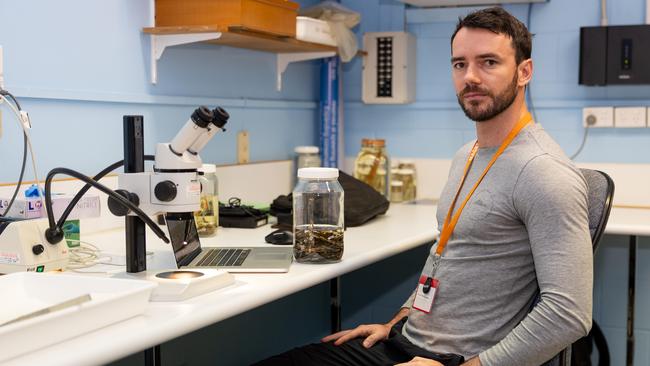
[
  {"x": 284, "y": 59},
  {"x": 159, "y": 42}
]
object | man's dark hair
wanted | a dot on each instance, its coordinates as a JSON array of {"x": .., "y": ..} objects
[{"x": 499, "y": 21}]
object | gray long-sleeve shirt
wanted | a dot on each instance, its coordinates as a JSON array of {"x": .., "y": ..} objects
[{"x": 525, "y": 227}]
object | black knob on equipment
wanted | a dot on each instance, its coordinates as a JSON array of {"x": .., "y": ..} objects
[
  {"x": 117, "y": 208},
  {"x": 38, "y": 249},
  {"x": 165, "y": 191}
]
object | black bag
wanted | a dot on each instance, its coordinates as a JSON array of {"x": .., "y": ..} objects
[{"x": 362, "y": 203}]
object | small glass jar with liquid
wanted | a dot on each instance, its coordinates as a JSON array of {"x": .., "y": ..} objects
[
  {"x": 372, "y": 165},
  {"x": 307, "y": 157},
  {"x": 207, "y": 218},
  {"x": 396, "y": 191},
  {"x": 408, "y": 175}
]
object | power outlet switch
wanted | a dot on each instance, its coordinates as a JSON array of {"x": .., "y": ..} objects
[
  {"x": 630, "y": 117},
  {"x": 598, "y": 117}
]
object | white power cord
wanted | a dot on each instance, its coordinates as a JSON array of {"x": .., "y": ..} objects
[
  {"x": 87, "y": 255},
  {"x": 25, "y": 124}
]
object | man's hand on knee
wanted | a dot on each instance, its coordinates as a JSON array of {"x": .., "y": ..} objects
[{"x": 372, "y": 332}]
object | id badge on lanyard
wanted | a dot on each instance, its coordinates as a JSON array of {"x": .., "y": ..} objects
[
  {"x": 427, "y": 289},
  {"x": 428, "y": 285}
]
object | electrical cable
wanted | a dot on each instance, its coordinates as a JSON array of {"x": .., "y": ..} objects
[
  {"x": 6, "y": 93},
  {"x": 582, "y": 145},
  {"x": 20, "y": 179},
  {"x": 20, "y": 121},
  {"x": 84, "y": 189},
  {"x": 54, "y": 234},
  {"x": 87, "y": 255},
  {"x": 24, "y": 160},
  {"x": 529, "y": 88},
  {"x": 530, "y": 92}
]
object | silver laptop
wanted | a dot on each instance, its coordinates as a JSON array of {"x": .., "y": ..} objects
[{"x": 189, "y": 254}]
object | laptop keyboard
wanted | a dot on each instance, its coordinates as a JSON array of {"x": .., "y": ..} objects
[{"x": 224, "y": 257}]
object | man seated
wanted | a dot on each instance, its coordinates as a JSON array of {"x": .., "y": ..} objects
[{"x": 514, "y": 225}]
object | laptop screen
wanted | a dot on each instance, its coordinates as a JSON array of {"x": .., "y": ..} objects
[{"x": 184, "y": 237}]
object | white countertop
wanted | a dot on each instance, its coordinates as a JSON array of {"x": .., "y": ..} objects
[
  {"x": 402, "y": 228},
  {"x": 629, "y": 221}
]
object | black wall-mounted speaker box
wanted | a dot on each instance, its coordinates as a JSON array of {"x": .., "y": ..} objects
[{"x": 615, "y": 55}]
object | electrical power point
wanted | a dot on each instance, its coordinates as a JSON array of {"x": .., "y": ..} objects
[
  {"x": 595, "y": 117},
  {"x": 243, "y": 152},
  {"x": 630, "y": 117}
]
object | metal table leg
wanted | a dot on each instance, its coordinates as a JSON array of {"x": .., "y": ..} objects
[
  {"x": 631, "y": 281},
  {"x": 152, "y": 356},
  {"x": 335, "y": 304}
]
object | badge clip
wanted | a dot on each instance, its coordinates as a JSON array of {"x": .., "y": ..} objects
[{"x": 427, "y": 285}]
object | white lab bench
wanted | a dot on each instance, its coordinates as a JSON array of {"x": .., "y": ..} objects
[{"x": 404, "y": 227}]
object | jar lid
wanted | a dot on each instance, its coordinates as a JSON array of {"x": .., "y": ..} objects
[
  {"x": 318, "y": 173},
  {"x": 306, "y": 150},
  {"x": 208, "y": 168},
  {"x": 406, "y": 171},
  {"x": 373, "y": 142},
  {"x": 396, "y": 183}
]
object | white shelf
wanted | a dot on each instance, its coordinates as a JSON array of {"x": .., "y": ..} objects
[{"x": 288, "y": 49}]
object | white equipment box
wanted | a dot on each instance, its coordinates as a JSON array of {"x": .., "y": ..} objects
[
  {"x": 23, "y": 248},
  {"x": 389, "y": 68},
  {"x": 314, "y": 30}
]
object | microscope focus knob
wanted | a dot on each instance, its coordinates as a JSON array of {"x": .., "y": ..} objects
[
  {"x": 38, "y": 249},
  {"x": 165, "y": 191},
  {"x": 117, "y": 208}
]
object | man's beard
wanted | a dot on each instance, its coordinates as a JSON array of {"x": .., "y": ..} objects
[{"x": 499, "y": 104}]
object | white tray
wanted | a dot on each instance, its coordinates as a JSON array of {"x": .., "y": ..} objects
[{"x": 112, "y": 300}]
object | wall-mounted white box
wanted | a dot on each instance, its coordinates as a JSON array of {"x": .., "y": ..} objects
[
  {"x": 598, "y": 117},
  {"x": 389, "y": 68},
  {"x": 630, "y": 117}
]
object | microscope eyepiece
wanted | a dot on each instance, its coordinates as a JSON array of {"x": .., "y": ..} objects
[
  {"x": 196, "y": 126},
  {"x": 202, "y": 116},
  {"x": 220, "y": 117}
]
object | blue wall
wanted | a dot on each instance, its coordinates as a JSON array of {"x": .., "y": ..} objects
[
  {"x": 434, "y": 127},
  {"x": 78, "y": 66}
]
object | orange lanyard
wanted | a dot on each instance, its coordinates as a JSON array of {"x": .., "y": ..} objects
[{"x": 449, "y": 225}]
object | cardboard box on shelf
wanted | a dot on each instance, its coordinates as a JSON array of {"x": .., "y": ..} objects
[{"x": 277, "y": 17}]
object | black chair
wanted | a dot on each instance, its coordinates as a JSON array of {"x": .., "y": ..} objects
[{"x": 601, "y": 193}]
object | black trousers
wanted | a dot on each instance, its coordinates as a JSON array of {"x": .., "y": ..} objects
[{"x": 395, "y": 349}]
